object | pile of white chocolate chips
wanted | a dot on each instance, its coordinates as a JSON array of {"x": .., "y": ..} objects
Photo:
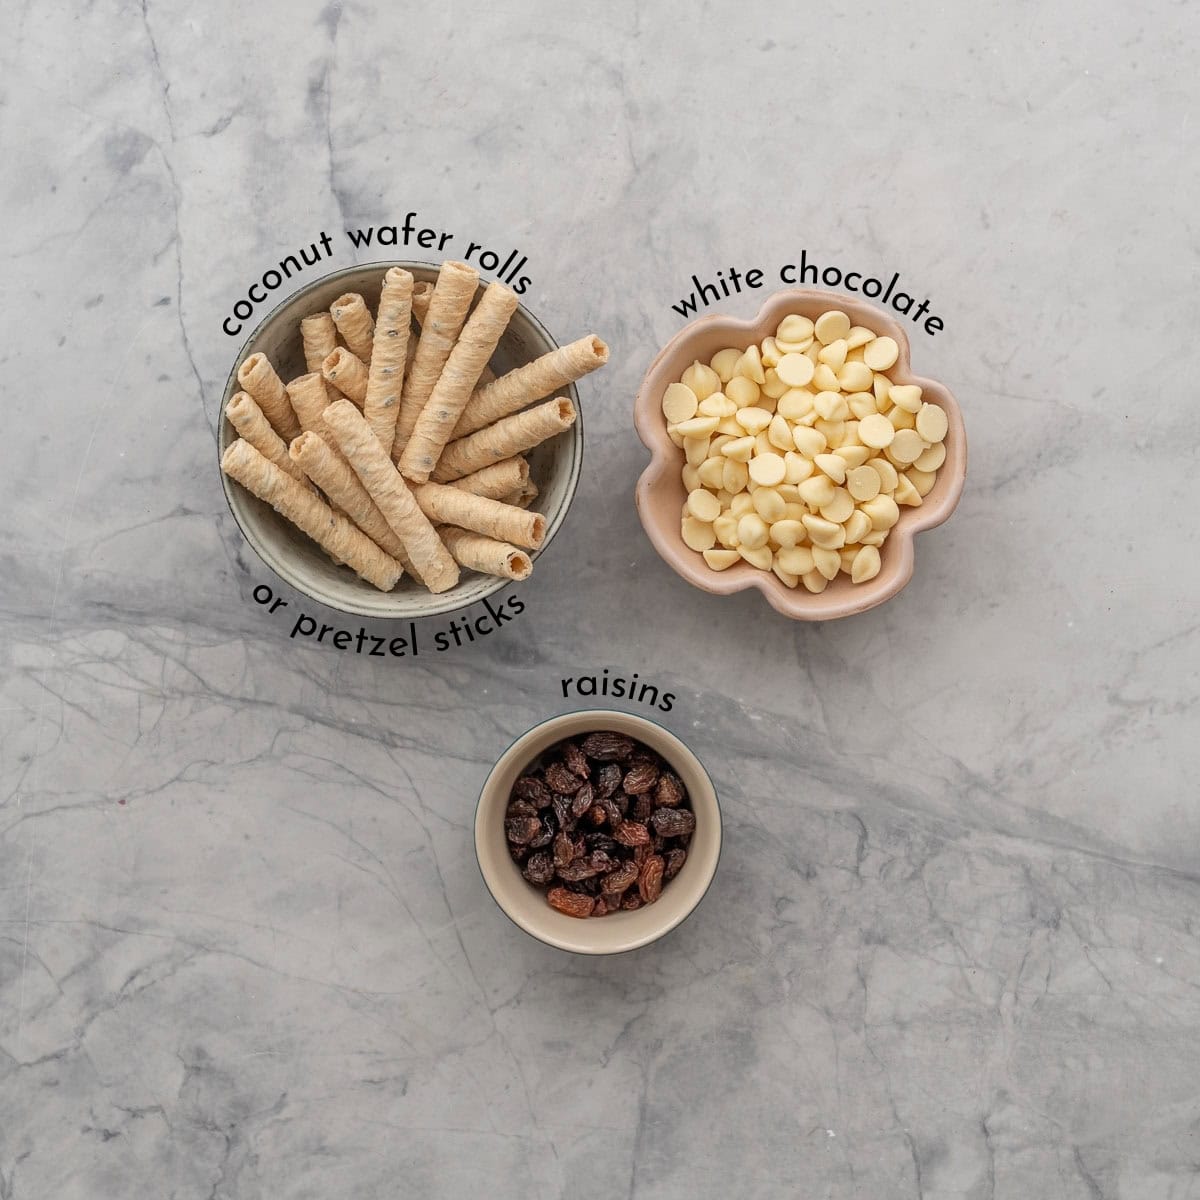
[{"x": 801, "y": 451}]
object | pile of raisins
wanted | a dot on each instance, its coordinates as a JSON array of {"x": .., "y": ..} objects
[{"x": 601, "y": 823}]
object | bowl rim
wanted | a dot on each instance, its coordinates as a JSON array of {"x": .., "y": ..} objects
[
  {"x": 575, "y": 946},
  {"x": 796, "y": 603},
  {"x": 443, "y": 603}
]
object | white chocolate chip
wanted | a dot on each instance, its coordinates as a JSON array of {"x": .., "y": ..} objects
[
  {"x": 787, "y": 533},
  {"x": 923, "y": 481},
  {"x": 825, "y": 378},
  {"x": 907, "y": 446},
  {"x": 834, "y": 355},
  {"x": 742, "y": 391},
  {"x": 906, "y": 493},
  {"x": 725, "y": 528},
  {"x": 697, "y": 426},
  {"x": 858, "y": 336},
  {"x": 830, "y": 326},
  {"x": 797, "y": 468},
  {"x": 795, "y": 370},
  {"x": 863, "y": 483},
  {"x": 772, "y": 386},
  {"x": 866, "y": 565},
  {"x": 931, "y": 459},
  {"x": 750, "y": 365},
  {"x": 679, "y": 403},
  {"x": 703, "y": 505},
  {"x": 719, "y": 560},
  {"x": 816, "y": 490},
  {"x": 698, "y": 535},
  {"x": 734, "y": 476},
  {"x": 779, "y": 432},
  {"x": 696, "y": 450},
  {"x": 857, "y": 524},
  {"x": 839, "y": 508},
  {"x": 740, "y": 449},
  {"x": 882, "y": 511},
  {"x": 759, "y": 557},
  {"x": 876, "y": 431},
  {"x": 827, "y": 561},
  {"x": 832, "y": 465},
  {"x": 769, "y": 504},
  {"x": 796, "y": 559},
  {"x": 814, "y": 581},
  {"x": 810, "y": 442},
  {"x": 702, "y": 380},
  {"x": 854, "y": 377},
  {"x": 931, "y": 422},
  {"x": 691, "y": 478},
  {"x": 717, "y": 405},
  {"x": 724, "y": 363},
  {"x": 794, "y": 328},
  {"x": 881, "y": 353},
  {"x": 906, "y": 396},
  {"x": 852, "y": 454},
  {"x": 711, "y": 472},
  {"x": 785, "y": 577},
  {"x": 767, "y": 469}
]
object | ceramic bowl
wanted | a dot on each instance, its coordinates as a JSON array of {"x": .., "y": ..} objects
[
  {"x": 660, "y": 492},
  {"x": 526, "y": 905},
  {"x": 554, "y": 466}
]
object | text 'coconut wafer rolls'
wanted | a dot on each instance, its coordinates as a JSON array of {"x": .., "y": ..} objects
[
  {"x": 257, "y": 376},
  {"x": 247, "y": 418},
  {"x": 497, "y": 481},
  {"x": 334, "y": 476},
  {"x": 479, "y": 553},
  {"x": 333, "y": 532},
  {"x": 318, "y": 333},
  {"x": 479, "y": 338},
  {"x": 449, "y": 506},
  {"x": 452, "y": 296},
  {"x": 389, "y": 491},
  {"x": 348, "y": 373},
  {"x": 355, "y": 324},
  {"x": 513, "y": 435},
  {"x": 542, "y": 377},
  {"x": 393, "y": 324}
]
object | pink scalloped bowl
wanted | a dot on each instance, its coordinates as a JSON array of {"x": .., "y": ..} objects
[{"x": 660, "y": 493}]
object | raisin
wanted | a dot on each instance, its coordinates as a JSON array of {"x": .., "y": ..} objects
[
  {"x": 530, "y": 788},
  {"x": 650, "y": 879},
  {"x": 562, "y": 813},
  {"x": 673, "y": 822},
  {"x": 631, "y": 833},
  {"x": 674, "y": 860},
  {"x": 575, "y": 759},
  {"x": 561, "y": 780},
  {"x": 643, "y": 806},
  {"x": 641, "y": 777},
  {"x": 631, "y": 902},
  {"x": 581, "y": 868},
  {"x": 521, "y": 808},
  {"x": 518, "y": 853},
  {"x": 570, "y": 903},
  {"x": 607, "y": 746},
  {"x": 564, "y": 850},
  {"x": 601, "y": 907},
  {"x": 543, "y": 838},
  {"x": 623, "y": 877},
  {"x": 608, "y": 779},
  {"x": 522, "y": 830},
  {"x": 669, "y": 792},
  {"x": 540, "y": 868},
  {"x": 612, "y": 814},
  {"x": 583, "y": 800}
]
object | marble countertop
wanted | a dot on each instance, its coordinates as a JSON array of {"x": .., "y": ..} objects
[{"x": 951, "y": 950}]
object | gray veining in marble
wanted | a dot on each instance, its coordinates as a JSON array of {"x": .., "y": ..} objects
[{"x": 951, "y": 950}]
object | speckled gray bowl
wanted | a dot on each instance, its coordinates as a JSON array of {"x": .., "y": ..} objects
[{"x": 554, "y": 466}]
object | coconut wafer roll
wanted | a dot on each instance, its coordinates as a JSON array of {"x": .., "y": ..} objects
[
  {"x": 309, "y": 400},
  {"x": 422, "y": 294},
  {"x": 497, "y": 481},
  {"x": 247, "y": 418},
  {"x": 353, "y": 320},
  {"x": 452, "y": 296},
  {"x": 485, "y": 554},
  {"x": 450, "y": 506},
  {"x": 542, "y": 377},
  {"x": 318, "y": 333},
  {"x": 393, "y": 323},
  {"x": 334, "y": 476},
  {"x": 334, "y": 533},
  {"x": 420, "y": 306},
  {"x": 389, "y": 491},
  {"x": 513, "y": 435},
  {"x": 479, "y": 338},
  {"x": 348, "y": 374},
  {"x": 257, "y": 376}
]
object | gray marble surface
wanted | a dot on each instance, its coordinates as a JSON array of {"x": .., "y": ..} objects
[{"x": 951, "y": 950}]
